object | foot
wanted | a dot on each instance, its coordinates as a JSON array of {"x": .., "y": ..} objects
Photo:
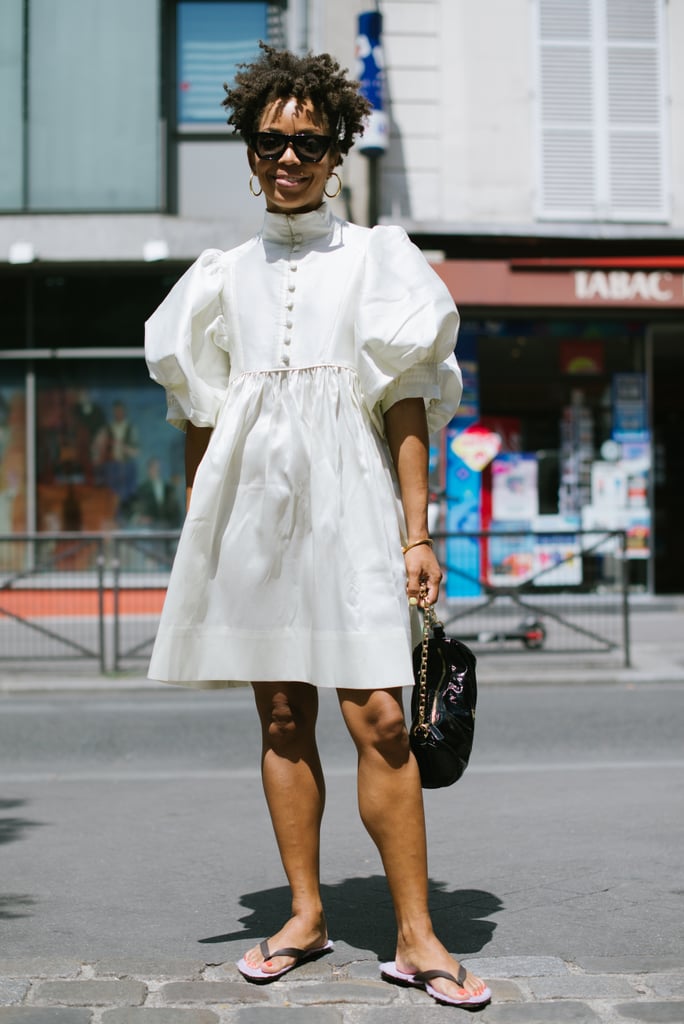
[
  {"x": 296, "y": 933},
  {"x": 432, "y": 956}
]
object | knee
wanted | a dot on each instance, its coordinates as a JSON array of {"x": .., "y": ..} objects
[
  {"x": 282, "y": 720},
  {"x": 387, "y": 734},
  {"x": 286, "y": 725}
]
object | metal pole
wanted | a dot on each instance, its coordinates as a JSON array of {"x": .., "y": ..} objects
[
  {"x": 625, "y": 599},
  {"x": 373, "y": 190},
  {"x": 101, "y": 605},
  {"x": 30, "y": 465},
  {"x": 116, "y": 568}
]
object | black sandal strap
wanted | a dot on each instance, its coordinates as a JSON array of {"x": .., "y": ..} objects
[
  {"x": 286, "y": 951},
  {"x": 459, "y": 980}
]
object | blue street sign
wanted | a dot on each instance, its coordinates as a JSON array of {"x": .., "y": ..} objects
[{"x": 371, "y": 75}]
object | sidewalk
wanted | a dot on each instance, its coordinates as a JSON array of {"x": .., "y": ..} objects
[
  {"x": 338, "y": 990},
  {"x": 656, "y": 656},
  {"x": 345, "y": 987}
]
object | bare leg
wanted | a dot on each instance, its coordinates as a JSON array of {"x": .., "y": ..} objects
[
  {"x": 295, "y": 794},
  {"x": 391, "y": 806}
]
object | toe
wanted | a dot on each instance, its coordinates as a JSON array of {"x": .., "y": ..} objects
[
  {"x": 253, "y": 957},
  {"x": 472, "y": 986}
]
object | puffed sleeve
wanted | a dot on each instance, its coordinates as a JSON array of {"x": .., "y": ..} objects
[
  {"x": 406, "y": 329},
  {"x": 185, "y": 342}
]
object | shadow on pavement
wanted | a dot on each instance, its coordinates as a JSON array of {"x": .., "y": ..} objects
[
  {"x": 14, "y": 905},
  {"x": 11, "y": 828},
  {"x": 359, "y": 912}
]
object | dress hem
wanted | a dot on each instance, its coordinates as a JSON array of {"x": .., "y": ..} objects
[{"x": 325, "y": 659}]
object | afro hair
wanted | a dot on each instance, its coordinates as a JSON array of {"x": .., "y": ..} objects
[{"x": 280, "y": 75}]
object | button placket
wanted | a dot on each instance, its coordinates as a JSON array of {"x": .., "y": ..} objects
[{"x": 289, "y": 301}]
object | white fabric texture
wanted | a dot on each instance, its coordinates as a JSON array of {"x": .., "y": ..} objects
[{"x": 292, "y": 346}]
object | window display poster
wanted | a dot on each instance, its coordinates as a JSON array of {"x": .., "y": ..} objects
[
  {"x": 511, "y": 554},
  {"x": 105, "y": 457},
  {"x": 544, "y": 553},
  {"x": 598, "y": 521},
  {"x": 581, "y": 357},
  {"x": 619, "y": 493},
  {"x": 12, "y": 457},
  {"x": 477, "y": 445},
  {"x": 636, "y": 522},
  {"x": 608, "y": 485},
  {"x": 630, "y": 421},
  {"x": 557, "y": 558},
  {"x": 515, "y": 493},
  {"x": 638, "y": 527},
  {"x": 463, "y": 485}
]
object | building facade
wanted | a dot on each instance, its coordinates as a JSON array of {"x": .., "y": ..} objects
[{"x": 536, "y": 153}]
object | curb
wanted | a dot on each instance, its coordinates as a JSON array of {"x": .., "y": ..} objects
[{"x": 342, "y": 990}]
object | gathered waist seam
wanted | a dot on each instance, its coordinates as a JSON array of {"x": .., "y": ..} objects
[{"x": 280, "y": 370}]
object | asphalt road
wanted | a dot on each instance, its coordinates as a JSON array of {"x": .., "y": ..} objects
[{"x": 134, "y": 824}]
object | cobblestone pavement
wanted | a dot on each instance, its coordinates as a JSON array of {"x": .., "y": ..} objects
[{"x": 337, "y": 990}]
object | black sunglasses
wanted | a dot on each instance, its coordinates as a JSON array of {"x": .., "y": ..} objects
[{"x": 308, "y": 147}]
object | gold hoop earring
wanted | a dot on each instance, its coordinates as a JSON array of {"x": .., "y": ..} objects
[
  {"x": 251, "y": 187},
  {"x": 339, "y": 186}
]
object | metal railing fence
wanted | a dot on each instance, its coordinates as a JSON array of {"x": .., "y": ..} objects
[
  {"x": 559, "y": 593},
  {"x": 75, "y": 597}
]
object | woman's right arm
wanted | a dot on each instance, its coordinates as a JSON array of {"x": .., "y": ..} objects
[{"x": 196, "y": 441}]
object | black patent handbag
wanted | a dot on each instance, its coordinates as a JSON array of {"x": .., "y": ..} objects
[{"x": 443, "y": 705}]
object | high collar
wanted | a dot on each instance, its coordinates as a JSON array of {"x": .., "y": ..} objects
[{"x": 282, "y": 227}]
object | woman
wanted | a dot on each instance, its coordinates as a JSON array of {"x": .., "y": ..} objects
[{"x": 301, "y": 365}]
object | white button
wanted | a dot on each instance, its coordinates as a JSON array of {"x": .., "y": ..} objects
[
  {"x": 289, "y": 305},
  {"x": 293, "y": 267},
  {"x": 285, "y": 360},
  {"x": 297, "y": 238},
  {"x": 288, "y": 340},
  {"x": 290, "y": 287},
  {"x": 289, "y": 325}
]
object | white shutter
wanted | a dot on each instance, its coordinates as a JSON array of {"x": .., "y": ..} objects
[
  {"x": 566, "y": 90},
  {"x": 600, "y": 110},
  {"x": 275, "y": 15},
  {"x": 635, "y": 110}
]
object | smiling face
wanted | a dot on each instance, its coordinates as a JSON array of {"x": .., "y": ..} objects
[{"x": 291, "y": 185}]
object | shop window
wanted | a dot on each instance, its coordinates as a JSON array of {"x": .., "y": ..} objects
[
  {"x": 212, "y": 38},
  {"x": 80, "y": 115},
  {"x": 601, "y": 110},
  {"x": 209, "y": 39},
  {"x": 105, "y": 458},
  {"x": 12, "y": 455},
  {"x": 548, "y": 388},
  {"x": 11, "y": 112},
  {"x": 551, "y": 437}
]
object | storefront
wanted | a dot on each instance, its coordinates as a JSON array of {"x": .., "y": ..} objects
[
  {"x": 83, "y": 443},
  {"x": 571, "y": 417}
]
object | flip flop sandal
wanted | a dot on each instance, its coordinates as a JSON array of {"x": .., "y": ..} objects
[
  {"x": 423, "y": 978},
  {"x": 301, "y": 956}
]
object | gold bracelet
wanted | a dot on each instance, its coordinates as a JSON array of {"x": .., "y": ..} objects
[{"x": 416, "y": 543}]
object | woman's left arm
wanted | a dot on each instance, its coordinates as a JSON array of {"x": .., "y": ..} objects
[{"x": 409, "y": 444}]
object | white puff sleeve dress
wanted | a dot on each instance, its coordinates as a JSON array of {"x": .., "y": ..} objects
[{"x": 292, "y": 346}]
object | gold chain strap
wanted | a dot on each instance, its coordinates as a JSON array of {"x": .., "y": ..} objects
[{"x": 429, "y": 621}]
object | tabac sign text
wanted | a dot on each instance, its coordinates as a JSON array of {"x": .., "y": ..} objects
[{"x": 623, "y": 286}]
